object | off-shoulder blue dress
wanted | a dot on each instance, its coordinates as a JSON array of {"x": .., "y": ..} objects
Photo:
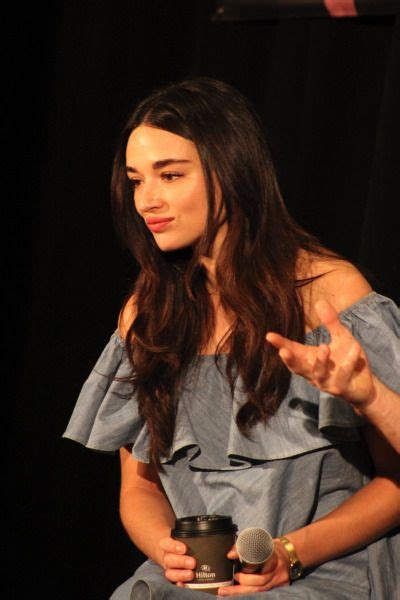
[{"x": 302, "y": 464}]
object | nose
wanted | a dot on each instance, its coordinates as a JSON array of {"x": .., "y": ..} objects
[{"x": 148, "y": 197}]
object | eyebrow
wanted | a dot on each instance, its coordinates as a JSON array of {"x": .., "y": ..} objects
[{"x": 160, "y": 164}]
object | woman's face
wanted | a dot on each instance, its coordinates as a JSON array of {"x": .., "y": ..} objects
[{"x": 169, "y": 186}]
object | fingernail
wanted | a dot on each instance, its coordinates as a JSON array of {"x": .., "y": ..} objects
[
  {"x": 178, "y": 548},
  {"x": 189, "y": 563}
]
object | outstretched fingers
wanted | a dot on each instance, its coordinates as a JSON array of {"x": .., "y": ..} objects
[
  {"x": 289, "y": 351},
  {"x": 298, "y": 358},
  {"x": 330, "y": 318},
  {"x": 320, "y": 369},
  {"x": 279, "y": 341},
  {"x": 340, "y": 367},
  {"x": 348, "y": 367}
]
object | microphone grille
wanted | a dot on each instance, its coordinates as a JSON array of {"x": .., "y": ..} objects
[{"x": 254, "y": 545}]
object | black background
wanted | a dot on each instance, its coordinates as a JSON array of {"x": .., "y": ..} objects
[{"x": 328, "y": 91}]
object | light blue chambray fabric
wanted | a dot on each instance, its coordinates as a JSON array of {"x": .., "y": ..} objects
[{"x": 303, "y": 463}]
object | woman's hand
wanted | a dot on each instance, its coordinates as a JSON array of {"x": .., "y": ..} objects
[
  {"x": 275, "y": 573},
  {"x": 340, "y": 368},
  {"x": 178, "y": 566}
]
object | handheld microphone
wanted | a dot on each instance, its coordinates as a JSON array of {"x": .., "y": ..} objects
[{"x": 254, "y": 546}]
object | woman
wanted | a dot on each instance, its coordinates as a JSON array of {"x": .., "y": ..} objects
[{"x": 206, "y": 415}]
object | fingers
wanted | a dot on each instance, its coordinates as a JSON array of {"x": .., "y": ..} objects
[
  {"x": 239, "y": 590},
  {"x": 326, "y": 313},
  {"x": 291, "y": 353},
  {"x": 232, "y": 554},
  {"x": 320, "y": 367},
  {"x": 248, "y": 584},
  {"x": 351, "y": 364},
  {"x": 253, "y": 579},
  {"x": 279, "y": 341},
  {"x": 330, "y": 318},
  {"x": 179, "y": 568},
  {"x": 336, "y": 377},
  {"x": 178, "y": 575},
  {"x": 340, "y": 368},
  {"x": 178, "y": 565},
  {"x": 274, "y": 573},
  {"x": 175, "y": 561},
  {"x": 287, "y": 357},
  {"x": 354, "y": 353},
  {"x": 326, "y": 374},
  {"x": 311, "y": 362},
  {"x": 168, "y": 544}
]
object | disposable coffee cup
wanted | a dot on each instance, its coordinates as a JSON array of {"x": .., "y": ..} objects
[{"x": 208, "y": 538}]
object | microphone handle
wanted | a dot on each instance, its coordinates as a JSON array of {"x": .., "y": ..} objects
[{"x": 246, "y": 567}]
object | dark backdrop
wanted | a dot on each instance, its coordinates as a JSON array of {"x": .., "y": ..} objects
[{"x": 328, "y": 91}]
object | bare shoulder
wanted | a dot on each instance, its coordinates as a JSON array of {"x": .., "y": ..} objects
[
  {"x": 127, "y": 316},
  {"x": 336, "y": 280}
]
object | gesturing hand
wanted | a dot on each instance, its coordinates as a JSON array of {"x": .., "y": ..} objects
[{"x": 340, "y": 368}]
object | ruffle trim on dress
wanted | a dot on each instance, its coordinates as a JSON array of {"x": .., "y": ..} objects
[
  {"x": 307, "y": 420},
  {"x": 106, "y": 415}
]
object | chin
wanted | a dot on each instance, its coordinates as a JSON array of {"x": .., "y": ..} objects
[{"x": 171, "y": 246}]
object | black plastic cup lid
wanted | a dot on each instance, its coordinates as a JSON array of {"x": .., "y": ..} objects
[{"x": 203, "y": 525}]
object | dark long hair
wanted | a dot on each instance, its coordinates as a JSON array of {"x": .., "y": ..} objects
[{"x": 256, "y": 265}]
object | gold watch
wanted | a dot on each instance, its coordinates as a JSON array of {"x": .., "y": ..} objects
[{"x": 295, "y": 566}]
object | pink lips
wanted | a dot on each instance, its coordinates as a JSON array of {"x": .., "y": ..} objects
[{"x": 155, "y": 224}]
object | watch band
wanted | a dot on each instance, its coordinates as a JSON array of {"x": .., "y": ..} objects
[{"x": 295, "y": 566}]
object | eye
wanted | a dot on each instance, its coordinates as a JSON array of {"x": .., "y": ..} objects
[
  {"x": 170, "y": 176},
  {"x": 134, "y": 183}
]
